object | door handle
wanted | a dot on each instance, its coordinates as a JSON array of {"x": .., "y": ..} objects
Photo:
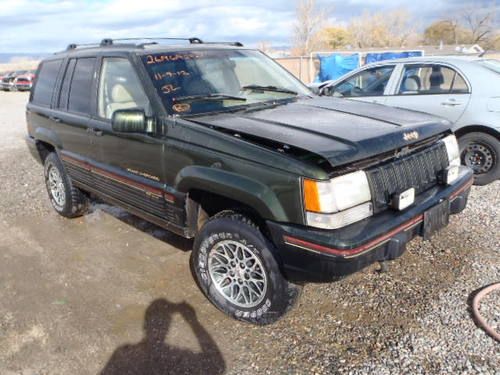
[{"x": 451, "y": 103}]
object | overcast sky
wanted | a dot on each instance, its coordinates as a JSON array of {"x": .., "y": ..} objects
[{"x": 49, "y": 25}]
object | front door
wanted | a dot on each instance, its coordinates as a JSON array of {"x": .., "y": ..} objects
[
  {"x": 368, "y": 85},
  {"x": 129, "y": 165}
]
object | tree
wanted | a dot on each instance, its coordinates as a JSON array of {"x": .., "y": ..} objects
[
  {"x": 390, "y": 29},
  {"x": 310, "y": 20},
  {"x": 446, "y": 31},
  {"x": 336, "y": 37},
  {"x": 479, "y": 23},
  {"x": 400, "y": 26}
]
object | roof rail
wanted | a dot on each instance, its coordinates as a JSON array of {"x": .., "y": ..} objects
[{"x": 109, "y": 42}]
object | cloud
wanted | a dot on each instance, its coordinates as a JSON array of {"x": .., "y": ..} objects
[{"x": 49, "y": 25}]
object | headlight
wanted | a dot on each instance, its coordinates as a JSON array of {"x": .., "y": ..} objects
[
  {"x": 339, "y": 202},
  {"x": 452, "y": 149}
]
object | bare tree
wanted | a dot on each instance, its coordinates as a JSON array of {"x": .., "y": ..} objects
[
  {"x": 310, "y": 20},
  {"x": 390, "y": 29},
  {"x": 400, "y": 27},
  {"x": 479, "y": 22}
]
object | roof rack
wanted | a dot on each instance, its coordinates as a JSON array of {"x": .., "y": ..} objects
[{"x": 110, "y": 42}]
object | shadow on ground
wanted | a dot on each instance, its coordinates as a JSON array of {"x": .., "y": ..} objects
[{"x": 153, "y": 356}]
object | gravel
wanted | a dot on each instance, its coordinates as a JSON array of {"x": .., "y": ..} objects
[{"x": 415, "y": 318}]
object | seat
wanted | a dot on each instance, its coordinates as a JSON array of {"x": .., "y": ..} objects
[
  {"x": 436, "y": 79},
  {"x": 120, "y": 99},
  {"x": 411, "y": 84}
]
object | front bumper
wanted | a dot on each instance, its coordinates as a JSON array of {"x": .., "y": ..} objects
[
  {"x": 23, "y": 86},
  {"x": 310, "y": 254}
]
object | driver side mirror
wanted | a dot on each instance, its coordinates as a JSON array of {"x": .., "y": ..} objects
[{"x": 131, "y": 121}]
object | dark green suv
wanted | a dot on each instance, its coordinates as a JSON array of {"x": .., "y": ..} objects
[{"x": 219, "y": 143}]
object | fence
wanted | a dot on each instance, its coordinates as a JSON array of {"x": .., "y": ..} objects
[{"x": 306, "y": 68}]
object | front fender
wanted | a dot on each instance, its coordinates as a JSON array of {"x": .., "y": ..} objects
[{"x": 233, "y": 186}]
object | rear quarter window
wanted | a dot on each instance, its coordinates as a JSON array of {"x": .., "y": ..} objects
[{"x": 46, "y": 82}]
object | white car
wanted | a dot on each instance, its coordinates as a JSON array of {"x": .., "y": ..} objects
[{"x": 466, "y": 91}]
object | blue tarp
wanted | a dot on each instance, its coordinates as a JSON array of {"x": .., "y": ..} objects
[
  {"x": 374, "y": 57},
  {"x": 336, "y": 65}
]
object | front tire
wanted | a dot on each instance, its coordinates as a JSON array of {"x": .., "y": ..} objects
[
  {"x": 481, "y": 152},
  {"x": 236, "y": 270},
  {"x": 66, "y": 199}
]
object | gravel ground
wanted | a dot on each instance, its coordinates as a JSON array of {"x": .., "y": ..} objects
[{"x": 413, "y": 319}]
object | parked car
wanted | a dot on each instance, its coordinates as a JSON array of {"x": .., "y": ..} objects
[
  {"x": 7, "y": 82},
  {"x": 465, "y": 91},
  {"x": 24, "y": 82},
  {"x": 219, "y": 143}
]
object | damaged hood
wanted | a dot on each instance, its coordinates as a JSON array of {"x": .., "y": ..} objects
[{"x": 339, "y": 130}]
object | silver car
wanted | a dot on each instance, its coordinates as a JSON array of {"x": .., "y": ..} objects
[{"x": 466, "y": 91}]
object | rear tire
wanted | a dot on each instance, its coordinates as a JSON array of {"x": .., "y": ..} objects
[
  {"x": 236, "y": 270},
  {"x": 66, "y": 199},
  {"x": 481, "y": 152}
]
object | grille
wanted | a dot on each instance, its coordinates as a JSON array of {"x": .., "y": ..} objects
[{"x": 419, "y": 170}]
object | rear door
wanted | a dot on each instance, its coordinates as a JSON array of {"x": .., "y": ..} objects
[
  {"x": 368, "y": 85},
  {"x": 434, "y": 88},
  {"x": 73, "y": 106}
]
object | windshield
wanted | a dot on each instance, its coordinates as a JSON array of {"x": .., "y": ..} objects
[
  {"x": 191, "y": 82},
  {"x": 491, "y": 64}
]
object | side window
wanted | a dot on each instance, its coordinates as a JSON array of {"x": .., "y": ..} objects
[
  {"x": 431, "y": 79},
  {"x": 68, "y": 75},
  {"x": 370, "y": 82},
  {"x": 46, "y": 82},
  {"x": 120, "y": 88},
  {"x": 81, "y": 86}
]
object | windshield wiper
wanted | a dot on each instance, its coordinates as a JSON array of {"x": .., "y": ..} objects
[
  {"x": 269, "y": 88},
  {"x": 208, "y": 97}
]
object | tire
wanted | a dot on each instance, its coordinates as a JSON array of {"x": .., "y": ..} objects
[
  {"x": 481, "y": 152},
  {"x": 66, "y": 199},
  {"x": 264, "y": 295}
]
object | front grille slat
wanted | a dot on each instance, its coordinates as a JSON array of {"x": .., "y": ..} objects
[{"x": 419, "y": 170}]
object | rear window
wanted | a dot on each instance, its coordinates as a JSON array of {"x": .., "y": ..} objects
[{"x": 46, "y": 82}]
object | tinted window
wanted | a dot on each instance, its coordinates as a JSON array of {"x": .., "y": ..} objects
[
  {"x": 46, "y": 82},
  {"x": 81, "y": 85},
  {"x": 63, "y": 98},
  {"x": 431, "y": 79},
  {"x": 369, "y": 82},
  {"x": 119, "y": 88}
]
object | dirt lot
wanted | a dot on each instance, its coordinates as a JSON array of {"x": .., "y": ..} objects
[{"x": 101, "y": 292}]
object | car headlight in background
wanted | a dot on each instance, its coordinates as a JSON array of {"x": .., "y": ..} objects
[{"x": 338, "y": 202}]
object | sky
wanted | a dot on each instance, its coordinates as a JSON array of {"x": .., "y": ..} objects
[{"x": 43, "y": 26}]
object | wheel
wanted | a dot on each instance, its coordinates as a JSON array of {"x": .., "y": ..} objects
[
  {"x": 66, "y": 199},
  {"x": 480, "y": 152},
  {"x": 235, "y": 269}
]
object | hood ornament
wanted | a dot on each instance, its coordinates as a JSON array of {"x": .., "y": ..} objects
[{"x": 411, "y": 136}]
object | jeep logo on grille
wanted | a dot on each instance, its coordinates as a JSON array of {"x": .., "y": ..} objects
[{"x": 411, "y": 136}]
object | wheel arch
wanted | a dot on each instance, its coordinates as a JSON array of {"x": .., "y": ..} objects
[
  {"x": 222, "y": 189},
  {"x": 477, "y": 128}
]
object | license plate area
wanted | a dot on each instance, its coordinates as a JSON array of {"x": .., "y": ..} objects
[{"x": 436, "y": 218}]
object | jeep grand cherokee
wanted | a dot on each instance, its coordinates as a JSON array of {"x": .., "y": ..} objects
[{"x": 219, "y": 143}]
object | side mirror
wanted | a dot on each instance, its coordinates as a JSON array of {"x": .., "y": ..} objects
[{"x": 131, "y": 121}]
